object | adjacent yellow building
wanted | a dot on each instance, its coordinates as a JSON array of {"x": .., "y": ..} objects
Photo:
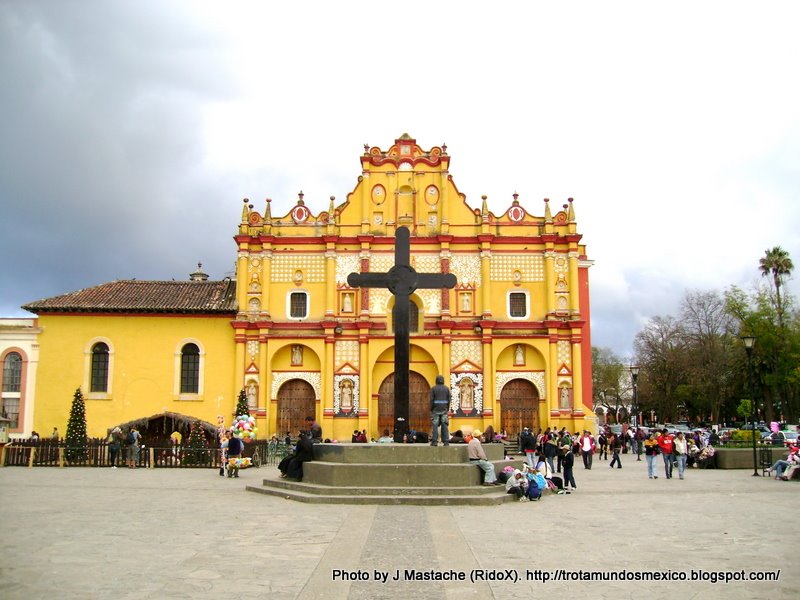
[{"x": 512, "y": 338}]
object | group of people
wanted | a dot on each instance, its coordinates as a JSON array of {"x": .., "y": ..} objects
[
  {"x": 131, "y": 442},
  {"x": 788, "y": 468}
]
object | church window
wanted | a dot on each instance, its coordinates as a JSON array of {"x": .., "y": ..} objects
[
  {"x": 518, "y": 305},
  {"x": 12, "y": 384},
  {"x": 298, "y": 305},
  {"x": 190, "y": 369},
  {"x": 12, "y": 372},
  {"x": 99, "y": 381}
]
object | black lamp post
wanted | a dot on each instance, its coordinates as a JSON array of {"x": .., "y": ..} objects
[
  {"x": 749, "y": 341},
  {"x": 634, "y": 377}
]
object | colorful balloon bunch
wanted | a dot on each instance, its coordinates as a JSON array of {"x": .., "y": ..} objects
[{"x": 244, "y": 427}]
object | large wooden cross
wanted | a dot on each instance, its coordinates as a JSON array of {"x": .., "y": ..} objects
[{"x": 401, "y": 280}]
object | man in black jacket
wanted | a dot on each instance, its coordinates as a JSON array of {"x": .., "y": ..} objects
[{"x": 440, "y": 407}]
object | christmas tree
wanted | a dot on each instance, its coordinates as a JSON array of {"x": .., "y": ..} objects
[
  {"x": 76, "y": 430},
  {"x": 241, "y": 405},
  {"x": 196, "y": 452}
]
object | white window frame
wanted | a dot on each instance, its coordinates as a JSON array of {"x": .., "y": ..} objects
[
  {"x": 289, "y": 304},
  {"x": 527, "y": 305},
  {"x": 87, "y": 370},
  {"x": 176, "y": 385}
]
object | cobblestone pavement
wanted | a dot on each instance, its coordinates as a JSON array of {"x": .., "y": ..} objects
[{"x": 102, "y": 533}]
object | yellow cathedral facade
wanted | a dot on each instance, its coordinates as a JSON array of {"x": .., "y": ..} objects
[{"x": 512, "y": 338}]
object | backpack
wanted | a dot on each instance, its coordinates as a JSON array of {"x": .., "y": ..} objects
[{"x": 131, "y": 439}]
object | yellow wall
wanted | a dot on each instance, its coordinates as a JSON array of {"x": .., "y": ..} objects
[{"x": 142, "y": 379}]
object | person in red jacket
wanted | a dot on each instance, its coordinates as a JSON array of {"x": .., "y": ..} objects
[
  {"x": 666, "y": 443},
  {"x": 587, "y": 445}
]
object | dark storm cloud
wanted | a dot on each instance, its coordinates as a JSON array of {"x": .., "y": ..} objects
[{"x": 101, "y": 160}]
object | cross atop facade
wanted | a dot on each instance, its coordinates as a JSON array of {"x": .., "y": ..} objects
[{"x": 401, "y": 280}]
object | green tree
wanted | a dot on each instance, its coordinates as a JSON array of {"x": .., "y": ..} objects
[
  {"x": 197, "y": 452},
  {"x": 76, "y": 430},
  {"x": 660, "y": 353},
  {"x": 241, "y": 404},
  {"x": 709, "y": 342}
]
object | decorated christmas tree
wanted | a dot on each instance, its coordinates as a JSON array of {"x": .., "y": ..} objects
[
  {"x": 76, "y": 429},
  {"x": 241, "y": 405},
  {"x": 196, "y": 452}
]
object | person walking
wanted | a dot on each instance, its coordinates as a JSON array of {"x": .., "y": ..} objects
[
  {"x": 666, "y": 444},
  {"x": 616, "y": 446},
  {"x": 602, "y": 444},
  {"x": 650, "y": 454},
  {"x": 440, "y": 407},
  {"x": 587, "y": 445},
  {"x": 681, "y": 450}
]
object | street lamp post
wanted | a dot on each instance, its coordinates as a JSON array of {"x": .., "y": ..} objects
[
  {"x": 749, "y": 341},
  {"x": 634, "y": 377}
]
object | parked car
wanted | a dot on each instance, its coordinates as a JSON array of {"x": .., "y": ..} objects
[{"x": 790, "y": 437}]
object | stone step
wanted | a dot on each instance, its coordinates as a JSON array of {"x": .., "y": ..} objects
[
  {"x": 498, "y": 497},
  {"x": 312, "y": 488}
]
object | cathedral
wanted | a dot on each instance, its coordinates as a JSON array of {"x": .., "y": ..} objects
[{"x": 512, "y": 338}]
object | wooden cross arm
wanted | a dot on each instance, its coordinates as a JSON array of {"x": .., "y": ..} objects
[{"x": 436, "y": 280}]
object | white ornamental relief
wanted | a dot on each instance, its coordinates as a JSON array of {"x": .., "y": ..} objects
[
  {"x": 347, "y": 352},
  {"x": 252, "y": 348},
  {"x": 432, "y": 300},
  {"x": 530, "y": 267},
  {"x": 471, "y": 350},
  {"x": 564, "y": 353},
  {"x": 457, "y": 384},
  {"x": 286, "y": 265},
  {"x": 379, "y": 301},
  {"x": 535, "y": 377},
  {"x": 466, "y": 268},
  {"x": 313, "y": 378},
  {"x": 427, "y": 263},
  {"x": 345, "y": 384},
  {"x": 346, "y": 264}
]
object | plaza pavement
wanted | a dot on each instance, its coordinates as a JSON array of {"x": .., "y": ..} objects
[{"x": 101, "y": 533}]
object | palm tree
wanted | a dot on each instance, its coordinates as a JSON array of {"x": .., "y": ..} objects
[{"x": 776, "y": 262}]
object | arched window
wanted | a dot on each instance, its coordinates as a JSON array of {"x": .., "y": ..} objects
[
  {"x": 99, "y": 377},
  {"x": 12, "y": 384},
  {"x": 190, "y": 369},
  {"x": 413, "y": 317}
]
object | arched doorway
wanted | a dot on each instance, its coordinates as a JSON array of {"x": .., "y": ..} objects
[
  {"x": 419, "y": 408},
  {"x": 519, "y": 407},
  {"x": 296, "y": 401}
]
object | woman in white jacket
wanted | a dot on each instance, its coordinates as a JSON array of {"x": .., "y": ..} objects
[{"x": 681, "y": 453}]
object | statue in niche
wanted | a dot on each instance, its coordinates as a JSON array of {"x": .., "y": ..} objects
[
  {"x": 347, "y": 303},
  {"x": 252, "y": 395},
  {"x": 466, "y": 396},
  {"x": 346, "y": 395},
  {"x": 297, "y": 355},
  {"x": 563, "y": 398},
  {"x": 519, "y": 355},
  {"x": 465, "y": 303}
]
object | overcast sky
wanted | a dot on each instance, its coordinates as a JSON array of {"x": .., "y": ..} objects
[{"x": 132, "y": 130}]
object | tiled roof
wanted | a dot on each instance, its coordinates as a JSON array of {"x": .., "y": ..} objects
[{"x": 132, "y": 296}]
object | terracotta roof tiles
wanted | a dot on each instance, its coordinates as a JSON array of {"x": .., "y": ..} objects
[{"x": 133, "y": 296}]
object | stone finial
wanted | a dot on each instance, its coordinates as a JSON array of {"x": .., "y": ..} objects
[
  {"x": 571, "y": 211},
  {"x": 268, "y": 210},
  {"x": 515, "y": 195},
  {"x": 548, "y": 216},
  {"x": 300, "y": 198},
  {"x": 484, "y": 206},
  {"x": 245, "y": 211}
]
